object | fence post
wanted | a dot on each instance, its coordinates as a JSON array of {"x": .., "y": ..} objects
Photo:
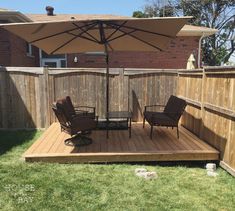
[
  {"x": 47, "y": 95},
  {"x": 121, "y": 90},
  {"x": 3, "y": 97},
  {"x": 202, "y": 103}
]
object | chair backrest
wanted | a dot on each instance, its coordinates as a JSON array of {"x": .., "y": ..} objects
[
  {"x": 63, "y": 104},
  {"x": 60, "y": 113},
  {"x": 70, "y": 106},
  {"x": 175, "y": 107}
]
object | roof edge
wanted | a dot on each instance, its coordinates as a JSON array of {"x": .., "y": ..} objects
[
  {"x": 190, "y": 30},
  {"x": 18, "y": 15}
]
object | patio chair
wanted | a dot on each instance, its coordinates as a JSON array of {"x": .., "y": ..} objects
[
  {"x": 77, "y": 126},
  {"x": 79, "y": 110},
  {"x": 169, "y": 117}
]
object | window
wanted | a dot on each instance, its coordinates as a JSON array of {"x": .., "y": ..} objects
[
  {"x": 58, "y": 60},
  {"x": 63, "y": 63},
  {"x": 29, "y": 49}
]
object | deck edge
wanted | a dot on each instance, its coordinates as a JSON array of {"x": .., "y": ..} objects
[{"x": 105, "y": 158}]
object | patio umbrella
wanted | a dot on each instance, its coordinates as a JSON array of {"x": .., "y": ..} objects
[{"x": 95, "y": 35}]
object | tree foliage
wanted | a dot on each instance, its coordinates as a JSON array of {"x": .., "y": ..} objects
[
  {"x": 156, "y": 8},
  {"x": 218, "y": 14},
  {"x": 139, "y": 14}
]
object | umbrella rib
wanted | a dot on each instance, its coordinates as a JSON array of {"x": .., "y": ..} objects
[
  {"x": 142, "y": 30},
  {"x": 79, "y": 35},
  {"x": 61, "y": 46},
  {"x": 143, "y": 41},
  {"x": 122, "y": 35},
  {"x": 115, "y": 30},
  {"x": 59, "y": 33},
  {"x": 82, "y": 37},
  {"x": 94, "y": 39},
  {"x": 39, "y": 28},
  {"x": 110, "y": 46}
]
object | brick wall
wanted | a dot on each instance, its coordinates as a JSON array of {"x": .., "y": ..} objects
[
  {"x": 175, "y": 56},
  {"x": 5, "y": 57},
  {"x": 13, "y": 51}
]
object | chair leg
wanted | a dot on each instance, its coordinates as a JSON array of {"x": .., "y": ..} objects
[
  {"x": 177, "y": 132},
  {"x": 151, "y": 132},
  {"x": 143, "y": 122}
]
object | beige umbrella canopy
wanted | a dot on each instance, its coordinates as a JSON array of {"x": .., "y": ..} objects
[{"x": 93, "y": 35}]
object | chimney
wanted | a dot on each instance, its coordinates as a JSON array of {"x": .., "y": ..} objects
[{"x": 50, "y": 10}]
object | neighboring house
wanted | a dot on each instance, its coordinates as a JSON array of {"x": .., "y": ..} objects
[
  {"x": 16, "y": 52},
  {"x": 13, "y": 50}
]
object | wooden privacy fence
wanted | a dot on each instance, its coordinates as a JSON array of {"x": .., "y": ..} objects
[
  {"x": 26, "y": 94},
  {"x": 210, "y": 113}
]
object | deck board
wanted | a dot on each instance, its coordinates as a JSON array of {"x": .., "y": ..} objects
[{"x": 119, "y": 147}]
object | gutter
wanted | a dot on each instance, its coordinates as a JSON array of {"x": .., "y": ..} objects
[{"x": 199, "y": 50}]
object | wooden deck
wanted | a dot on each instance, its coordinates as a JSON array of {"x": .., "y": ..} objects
[{"x": 164, "y": 146}]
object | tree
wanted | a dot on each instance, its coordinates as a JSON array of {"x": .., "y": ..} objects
[
  {"x": 139, "y": 14},
  {"x": 155, "y": 8},
  {"x": 218, "y": 14}
]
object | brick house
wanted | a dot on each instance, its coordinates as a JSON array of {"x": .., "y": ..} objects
[{"x": 16, "y": 52}]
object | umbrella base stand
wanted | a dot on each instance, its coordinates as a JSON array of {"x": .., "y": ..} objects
[{"x": 78, "y": 141}]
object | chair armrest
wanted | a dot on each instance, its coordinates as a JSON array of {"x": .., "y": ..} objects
[
  {"x": 84, "y": 107},
  {"x": 78, "y": 111},
  {"x": 79, "y": 108},
  {"x": 149, "y": 106},
  {"x": 82, "y": 117}
]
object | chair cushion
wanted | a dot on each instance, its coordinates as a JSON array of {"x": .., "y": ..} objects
[
  {"x": 83, "y": 123},
  {"x": 149, "y": 113},
  {"x": 160, "y": 119}
]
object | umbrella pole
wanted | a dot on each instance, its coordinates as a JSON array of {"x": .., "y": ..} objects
[
  {"x": 104, "y": 41},
  {"x": 107, "y": 82},
  {"x": 107, "y": 87}
]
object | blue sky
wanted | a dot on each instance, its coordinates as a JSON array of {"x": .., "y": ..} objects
[{"x": 116, "y": 7}]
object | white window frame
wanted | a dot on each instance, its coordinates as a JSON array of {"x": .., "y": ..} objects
[{"x": 30, "y": 52}]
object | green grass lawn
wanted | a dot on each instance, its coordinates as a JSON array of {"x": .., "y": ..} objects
[{"x": 40, "y": 186}]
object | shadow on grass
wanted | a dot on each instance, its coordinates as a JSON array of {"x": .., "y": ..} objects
[
  {"x": 188, "y": 164},
  {"x": 11, "y": 139}
]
